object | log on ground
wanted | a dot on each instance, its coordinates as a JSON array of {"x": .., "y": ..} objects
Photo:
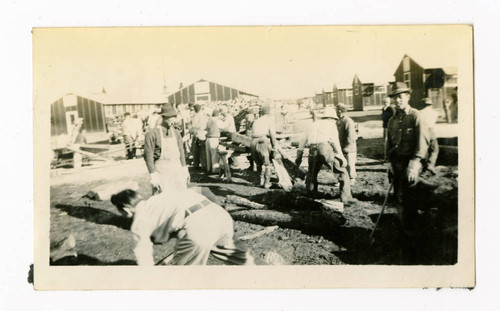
[{"x": 318, "y": 220}]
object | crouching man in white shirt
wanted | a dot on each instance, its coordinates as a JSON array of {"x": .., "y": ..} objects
[{"x": 201, "y": 226}]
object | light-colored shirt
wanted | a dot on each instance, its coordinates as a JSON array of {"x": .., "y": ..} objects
[
  {"x": 429, "y": 116},
  {"x": 263, "y": 126},
  {"x": 199, "y": 122},
  {"x": 322, "y": 131},
  {"x": 160, "y": 214},
  {"x": 129, "y": 127},
  {"x": 229, "y": 125}
]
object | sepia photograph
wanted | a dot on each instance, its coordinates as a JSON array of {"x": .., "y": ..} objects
[{"x": 259, "y": 156}]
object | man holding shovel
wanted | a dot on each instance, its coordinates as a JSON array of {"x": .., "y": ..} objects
[{"x": 406, "y": 145}]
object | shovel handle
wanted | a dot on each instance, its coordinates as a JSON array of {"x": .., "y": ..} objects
[{"x": 381, "y": 212}]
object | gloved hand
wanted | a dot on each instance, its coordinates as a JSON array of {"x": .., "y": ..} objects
[
  {"x": 154, "y": 179},
  {"x": 342, "y": 160},
  {"x": 298, "y": 160},
  {"x": 413, "y": 171},
  {"x": 390, "y": 172}
]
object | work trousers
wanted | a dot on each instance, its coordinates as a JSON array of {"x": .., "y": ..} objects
[
  {"x": 405, "y": 193},
  {"x": 129, "y": 146},
  {"x": 351, "y": 164},
  {"x": 212, "y": 144},
  {"x": 322, "y": 154},
  {"x": 261, "y": 151},
  {"x": 261, "y": 154},
  {"x": 210, "y": 231},
  {"x": 199, "y": 153}
]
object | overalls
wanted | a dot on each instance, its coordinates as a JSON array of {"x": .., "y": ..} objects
[{"x": 169, "y": 167}]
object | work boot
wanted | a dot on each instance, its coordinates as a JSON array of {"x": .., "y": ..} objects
[{"x": 267, "y": 177}]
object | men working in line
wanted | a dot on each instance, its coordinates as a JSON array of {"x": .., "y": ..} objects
[
  {"x": 164, "y": 154},
  {"x": 347, "y": 138},
  {"x": 130, "y": 133},
  {"x": 262, "y": 144},
  {"x": 324, "y": 149},
  {"x": 406, "y": 145},
  {"x": 198, "y": 132},
  {"x": 212, "y": 143},
  {"x": 201, "y": 227},
  {"x": 429, "y": 116}
]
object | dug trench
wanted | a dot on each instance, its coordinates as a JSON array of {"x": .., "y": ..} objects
[
  {"x": 434, "y": 242},
  {"x": 308, "y": 234}
]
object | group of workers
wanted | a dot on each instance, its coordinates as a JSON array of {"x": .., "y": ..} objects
[
  {"x": 203, "y": 227},
  {"x": 200, "y": 226}
]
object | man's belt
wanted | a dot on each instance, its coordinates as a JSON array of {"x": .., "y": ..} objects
[
  {"x": 316, "y": 145},
  {"x": 260, "y": 136},
  {"x": 196, "y": 207}
]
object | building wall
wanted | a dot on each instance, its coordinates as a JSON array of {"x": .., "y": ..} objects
[
  {"x": 357, "y": 94},
  {"x": 203, "y": 91},
  {"x": 71, "y": 106},
  {"x": 112, "y": 110},
  {"x": 92, "y": 113},
  {"x": 58, "y": 124},
  {"x": 412, "y": 74}
]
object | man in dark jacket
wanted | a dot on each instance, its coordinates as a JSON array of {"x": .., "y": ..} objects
[{"x": 406, "y": 146}]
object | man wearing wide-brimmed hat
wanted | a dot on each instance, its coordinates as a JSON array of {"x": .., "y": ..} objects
[
  {"x": 324, "y": 149},
  {"x": 164, "y": 154},
  {"x": 347, "y": 138},
  {"x": 406, "y": 146}
]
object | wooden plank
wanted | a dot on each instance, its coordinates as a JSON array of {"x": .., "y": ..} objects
[{"x": 258, "y": 233}]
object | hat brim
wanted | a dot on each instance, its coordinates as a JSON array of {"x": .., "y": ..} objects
[
  {"x": 168, "y": 115},
  {"x": 329, "y": 116},
  {"x": 401, "y": 91}
]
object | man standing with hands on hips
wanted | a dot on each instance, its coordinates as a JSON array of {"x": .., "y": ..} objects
[
  {"x": 406, "y": 145},
  {"x": 164, "y": 154}
]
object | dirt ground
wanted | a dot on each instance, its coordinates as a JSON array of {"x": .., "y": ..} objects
[{"x": 103, "y": 237}]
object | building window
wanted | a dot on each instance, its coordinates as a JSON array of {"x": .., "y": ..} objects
[
  {"x": 406, "y": 64},
  {"x": 407, "y": 79}
]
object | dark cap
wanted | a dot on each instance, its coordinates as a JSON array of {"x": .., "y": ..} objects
[{"x": 168, "y": 110}]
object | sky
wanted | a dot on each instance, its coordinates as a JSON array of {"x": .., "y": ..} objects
[{"x": 272, "y": 62}]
